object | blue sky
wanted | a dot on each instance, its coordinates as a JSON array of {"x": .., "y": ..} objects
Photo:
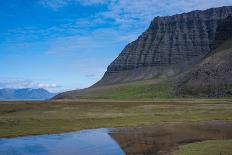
[{"x": 68, "y": 44}]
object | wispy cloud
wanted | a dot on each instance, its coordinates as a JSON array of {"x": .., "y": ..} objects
[
  {"x": 93, "y": 40},
  {"x": 54, "y": 4},
  {"x": 27, "y": 83},
  {"x": 93, "y": 2},
  {"x": 136, "y": 13}
]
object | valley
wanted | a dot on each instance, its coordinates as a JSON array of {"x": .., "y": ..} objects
[{"x": 167, "y": 92}]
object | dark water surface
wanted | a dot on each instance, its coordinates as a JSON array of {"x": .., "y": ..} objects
[
  {"x": 164, "y": 139},
  {"x": 86, "y": 142}
]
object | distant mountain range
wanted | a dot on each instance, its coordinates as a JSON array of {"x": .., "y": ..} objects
[
  {"x": 25, "y": 94},
  {"x": 184, "y": 55}
]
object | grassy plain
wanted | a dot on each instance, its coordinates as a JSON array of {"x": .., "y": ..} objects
[
  {"x": 19, "y": 118},
  {"x": 212, "y": 147}
]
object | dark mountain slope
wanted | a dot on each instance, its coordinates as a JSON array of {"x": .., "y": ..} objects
[
  {"x": 169, "y": 46},
  {"x": 213, "y": 76},
  {"x": 210, "y": 78}
]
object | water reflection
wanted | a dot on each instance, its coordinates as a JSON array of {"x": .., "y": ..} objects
[
  {"x": 160, "y": 139},
  {"x": 163, "y": 139},
  {"x": 86, "y": 142}
]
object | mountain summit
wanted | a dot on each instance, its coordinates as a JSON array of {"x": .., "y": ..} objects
[
  {"x": 169, "y": 46},
  {"x": 181, "y": 50}
]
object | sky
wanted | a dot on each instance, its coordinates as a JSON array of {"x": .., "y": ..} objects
[{"x": 63, "y": 45}]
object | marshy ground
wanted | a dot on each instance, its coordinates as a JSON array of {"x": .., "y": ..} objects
[
  {"x": 167, "y": 138},
  {"x": 18, "y": 118}
]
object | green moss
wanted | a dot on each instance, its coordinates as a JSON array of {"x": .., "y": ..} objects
[{"x": 213, "y": 147}]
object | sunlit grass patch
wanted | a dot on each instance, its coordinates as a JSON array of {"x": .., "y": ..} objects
[{"x": 211, "y": 147}]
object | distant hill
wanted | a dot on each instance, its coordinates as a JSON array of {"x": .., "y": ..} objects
[
  {"x": 25, "y": 94},
  {"x": 188, "y": 54}
]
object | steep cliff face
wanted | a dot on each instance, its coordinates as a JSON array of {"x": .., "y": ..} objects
[{"x": 169, "y": 46}]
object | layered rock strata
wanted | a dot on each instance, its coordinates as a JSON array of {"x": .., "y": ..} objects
[{"x": 169, "y": 46}]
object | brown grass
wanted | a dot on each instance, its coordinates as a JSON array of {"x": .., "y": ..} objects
[{"x": 19, "y": 118}]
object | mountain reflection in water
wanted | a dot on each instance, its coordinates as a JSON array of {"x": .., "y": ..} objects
[
  {"x": 160, "y": 139},
  {"x": 163, "y": 139},
  {"x": 86, "y": 142}
]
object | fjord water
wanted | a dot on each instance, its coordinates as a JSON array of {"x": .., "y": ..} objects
[{"x": 85, "y": 142}]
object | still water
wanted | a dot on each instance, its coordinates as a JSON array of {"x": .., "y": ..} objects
[
  {"x": 85, "y": 142},
  {"x": 145, "y": 140}
]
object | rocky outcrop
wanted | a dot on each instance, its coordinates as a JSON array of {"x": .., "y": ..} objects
[{"x": 169, "y": 46}]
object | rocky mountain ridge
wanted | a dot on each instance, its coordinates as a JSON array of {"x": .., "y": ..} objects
[
  {"x": 169, "y": 46},
  {"x": 182, "y": 55}
]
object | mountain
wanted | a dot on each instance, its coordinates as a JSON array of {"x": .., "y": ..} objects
[
  {"x": 25, "y": 94},
  {"x": 187, "y": 54},
  {"x": 169, "y": 46},
  {"x": 210, "y": 78}
]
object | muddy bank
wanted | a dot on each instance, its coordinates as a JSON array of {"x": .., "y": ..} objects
[{"x": 163, "y": 139}]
